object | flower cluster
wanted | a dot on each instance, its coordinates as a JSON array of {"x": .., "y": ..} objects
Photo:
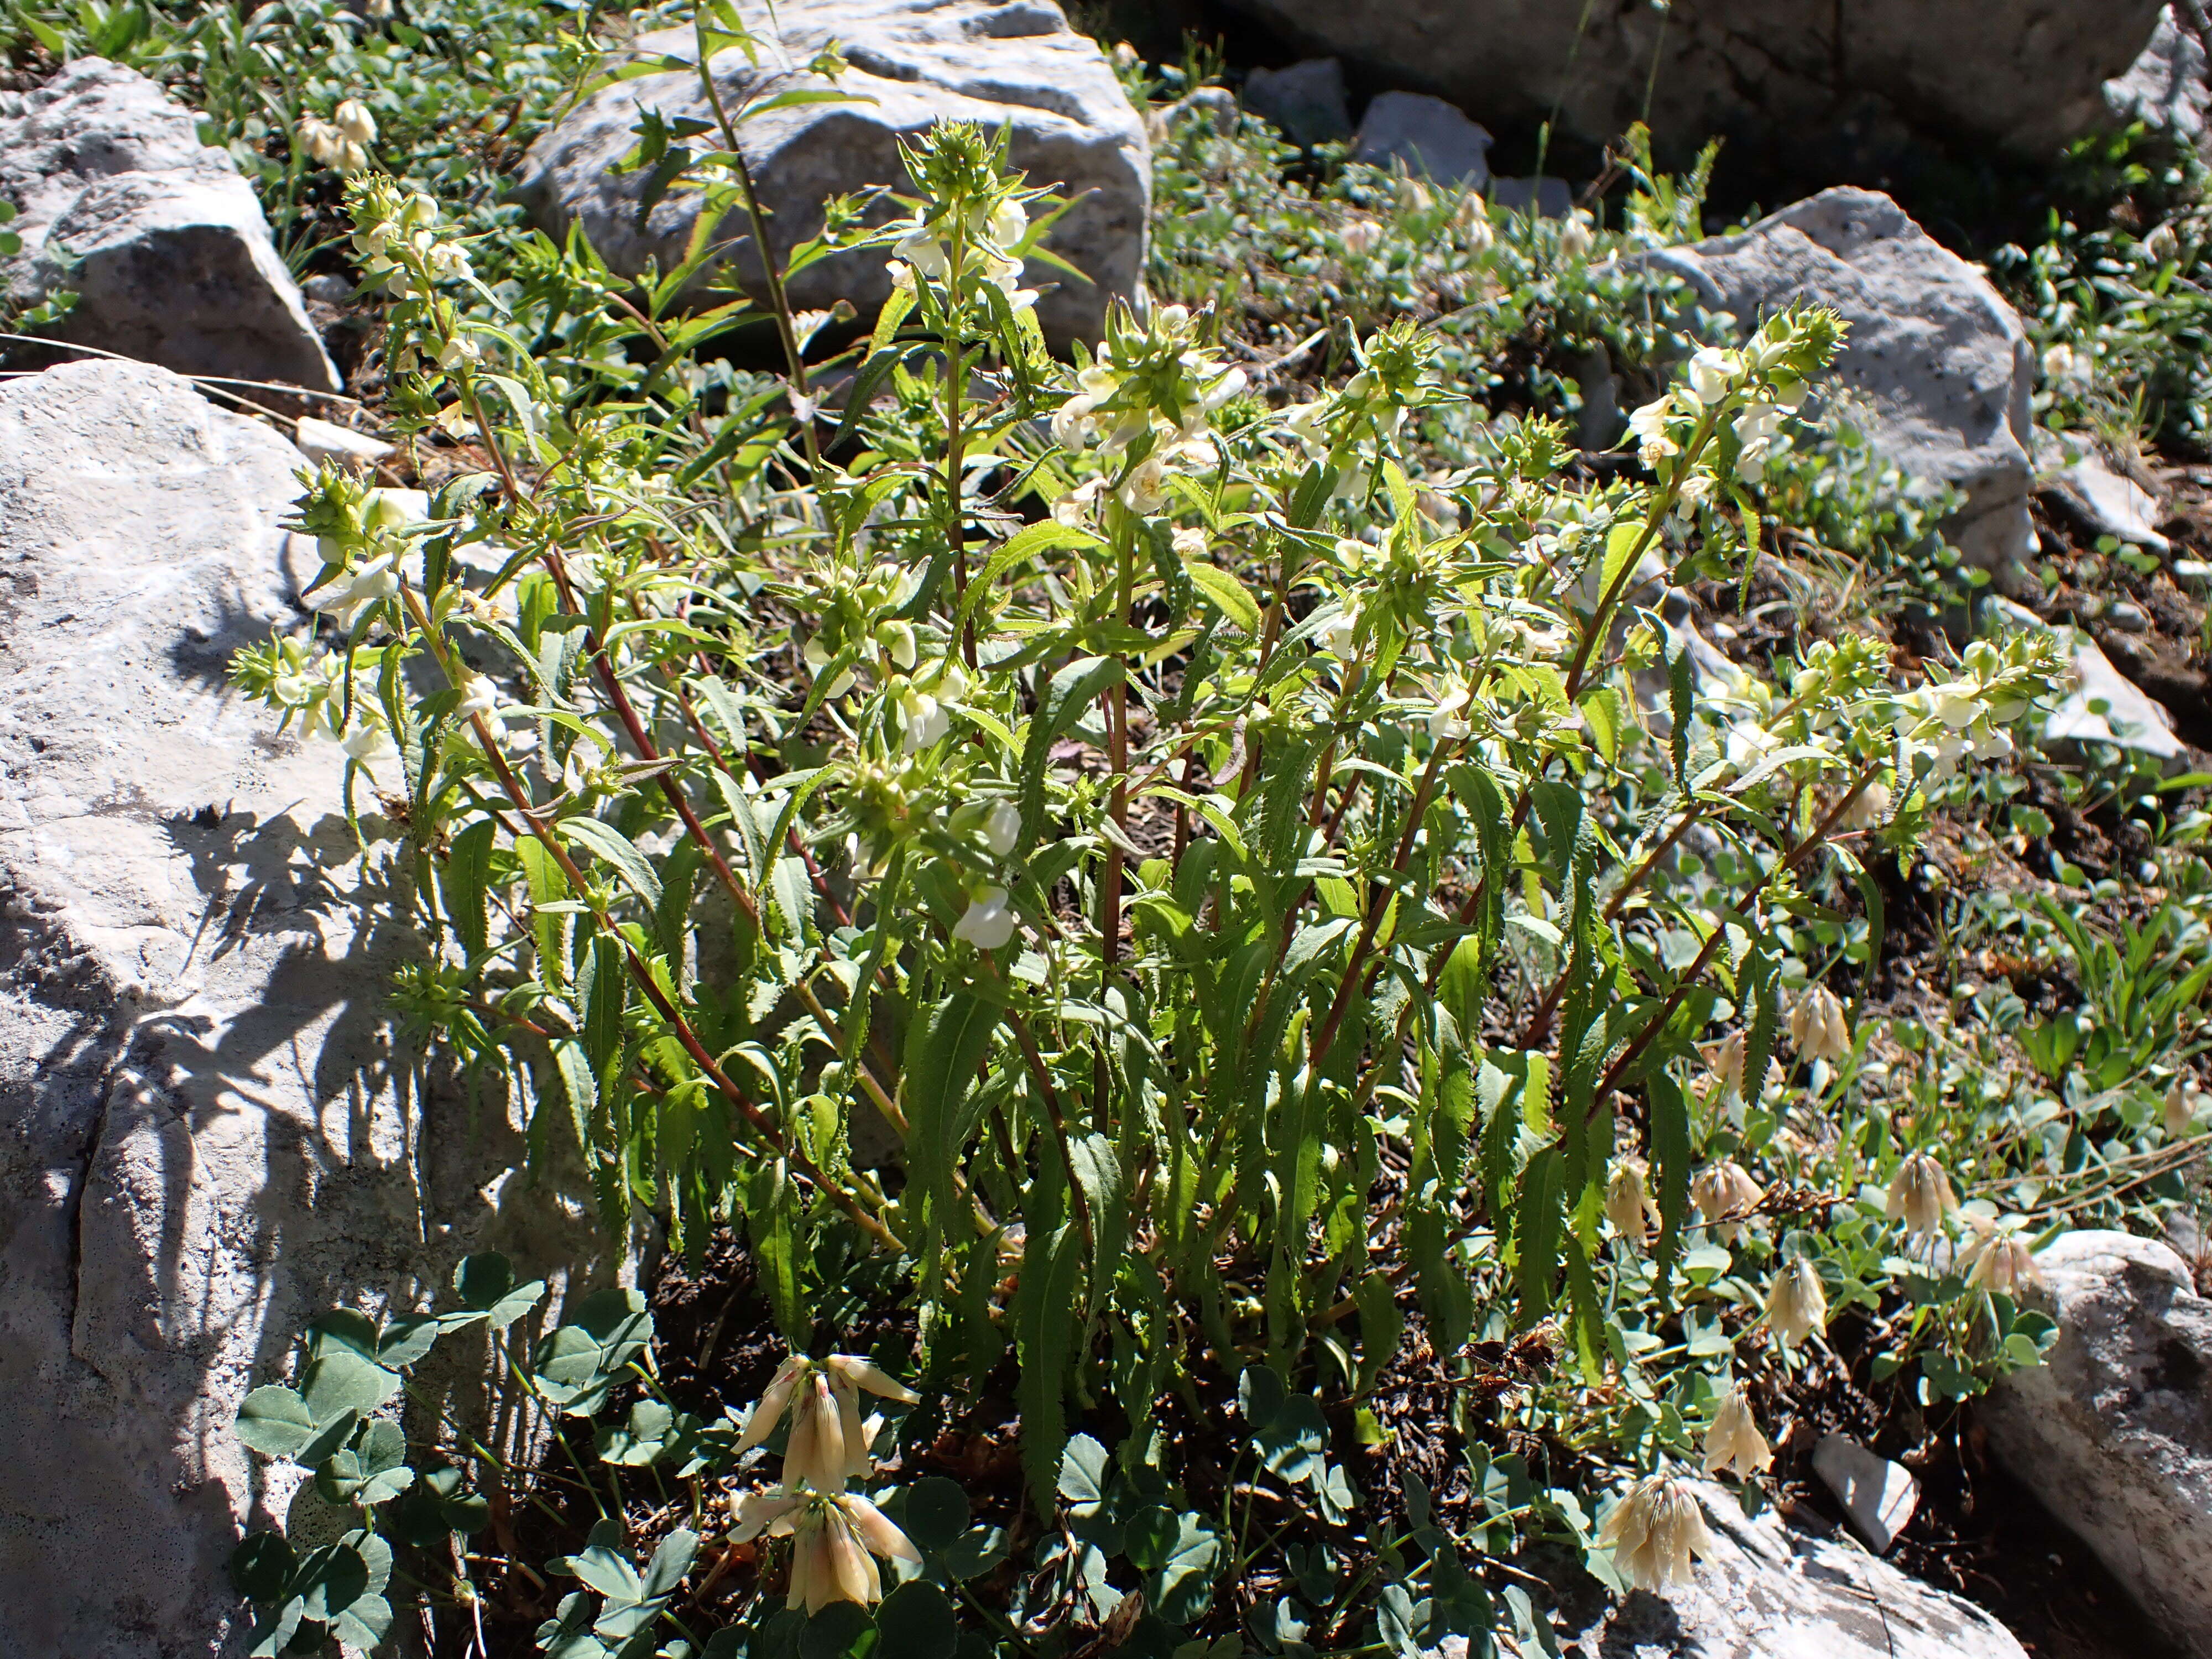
[
  {"x": 404, "y": 251},
  {"x": 341, "y": 142},
  {"x": 1740, "y": 396},
  {"x": 836, "y": 1535},
  {"x": 1147, "y": 402},
  {"x": 1948, "y": 719}
]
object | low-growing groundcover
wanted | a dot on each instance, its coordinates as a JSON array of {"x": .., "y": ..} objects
[{"x": 1237, "y": 1048}]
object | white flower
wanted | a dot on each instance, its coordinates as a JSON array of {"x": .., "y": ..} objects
[
  {"x": 2064, "y": 367},
  {"x": 1009, "y": 221},
  {"x": 352, "y": 118},
  {"x": 479, "y": 696},
  {"x": 1144, "y": 490},
  {"x": 1445, "y": 721},
  {"x": 896, "y": 638},
  {"x": 1723, "y": 1190},
  {"x": 2183, "y": 1102},
  {"x": 925, "y": 254},
  {"x": 1627, "y": 1204},
  {"x": 374, "y": 583},
  {"x": 1359, "y": 235},
  {"x": 1075, "y": 508},
  {"x": 1653, "y": 1531},
  {"x": 1712, "y": 373},
  {"x": 1797, "y": 1304},
  {"x": 1648, "y": 426},
  {"x": 1869, "y": 809},
  {"x": 457, "y": 351},
  {"x": 1336, "y": 635},
  {"x": 1575, "y": 238},
  {"x": 818, "y": 657},
  {"x": 1734, "y": 1444},
  {"x": 1726, "y": 1062},
  {"x": 1190, "y": 542},
  {"x": 369, "y": 742},
  {"x": 1817, "y": 1027},
  {"x": 1073, "y": 424},
  {"x": 925, "y": 719},
  {"x": 1920, "y": 1194},
  {"x": 1002, "y": 830},
  {"x": 988, "y": 922}
]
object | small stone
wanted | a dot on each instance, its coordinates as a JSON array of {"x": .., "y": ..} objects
[
  {"x": 1879, "y": 1496},
  {"x": 1434, "y": 139},
  {"x": 322, "y": 441},
  {"x": 1215, "y": 105},
  {"x": 2110, "y": 504},
  {"x": 2107, "y": 707},
  {"x": 2193, "y": 573},
  {"x": 330, "y": 290},
  {"x": 2127, "y": 617},
  {"x": 1306, "y": 100}
]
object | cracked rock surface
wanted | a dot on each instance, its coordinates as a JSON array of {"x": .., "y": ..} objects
[
  {"x": 2114, "y": 1432},
  {"x": 211, "y": 1132},
  {"x": 159, "y": 235},
  {"x": 1005, "y": 64}
]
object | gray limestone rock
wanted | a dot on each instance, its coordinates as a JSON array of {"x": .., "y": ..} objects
[
  {"x": 1769, "y": 1591},
  {"x": 1305, "y": 102},
  {"x": 1934, "y": 352},
  {"x": 1879, "y": 1496},
  {"x": 2165, "y": 88},
  {"x": 214, "y": 1132},
  {"x": 1012, "y": 63},
  {"x": 2105, "y": 706},
  {"x": 2114, "y": 1433},
  {"x": 1812, "y": 78},
  {"x": 1433, "y": 139},
  {"x": 161, "y": 239}
]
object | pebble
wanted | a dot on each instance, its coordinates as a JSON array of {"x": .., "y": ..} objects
[
  {"x": 2192, "y": 573},
  {"x": 1879, "y": 1496},
  {"x": 2128, "y": 618}
]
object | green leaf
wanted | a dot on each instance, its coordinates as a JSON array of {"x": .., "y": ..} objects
[
  {"x": 275, "y": 1421},
  {"x": 606, "y": 988},
  {"x": 1048, "y": 1319},
  {"x": 1228, "y": 594},
  {"x": 341, "y": 1381},
  {"x": 632, "y": 866},
  {"x": 917, "y": 1621},
  {"x": 1536, "y": 1232},
  {"x": 1670, "y": 1164},
  {"x": 464, "y": 881},
  {"x": 1072, "y": 690},
  {"x": 944, "y": 1056}
]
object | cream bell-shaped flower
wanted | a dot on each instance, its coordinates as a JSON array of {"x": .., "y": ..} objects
[
  {"x": 1654, "y": 1532},
  {"x": 988, "y": 921},
  {"x": 1725, "y": 1060},
  {"x": 1920, "y": 1194},
  {"x": 1816, "y": 1025},
  {"x": 1999, "y": 1258},
  {"x": 352, "y": 118},
  {"x": 1720, "y": 1190},
  {"x": 1628, "y": 1202},
  {"x": 2184, "y": 1100},
  {"x": 835, "y": 1541},
  {"x": 1734, "y": 1444},
  {"x": 1796, "y": 1303}
]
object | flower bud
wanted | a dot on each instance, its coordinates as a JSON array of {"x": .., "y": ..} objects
[
  {"x": 1733, "y": 1442},
  {"x": 1627, "y": 1204},
  {"x": 1817, "y": 1027},
  {"x": 1721, "y": 1190},
  {"x": 352, "y": 118}
]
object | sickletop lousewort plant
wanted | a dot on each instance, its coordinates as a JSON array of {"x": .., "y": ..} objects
[{"x": 1151, "y": 810}]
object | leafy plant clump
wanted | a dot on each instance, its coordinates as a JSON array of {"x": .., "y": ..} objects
[{"x": 1276, "y": 1026}]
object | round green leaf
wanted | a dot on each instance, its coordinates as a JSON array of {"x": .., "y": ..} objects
[
  {"x": 916, "y": 1622},
  {"x": 275, "y": 1421},
  {"x": 261, "y": 1566},
  {"x": 936, "y": 1512}
]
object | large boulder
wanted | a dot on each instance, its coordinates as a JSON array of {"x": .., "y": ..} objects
[
  {"x": 1810, "y": 77},
  {"x": 1769, "y": 1591},
  {"x": 1935, "y": 358},
  {"x": 213, "y": 1132},
  {"x": 2165, "y": 88},
  {"x": 1002, "y": 63},
  {"x": 2114, "y": 1432},
  {"x": 160, "y": 237}
]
